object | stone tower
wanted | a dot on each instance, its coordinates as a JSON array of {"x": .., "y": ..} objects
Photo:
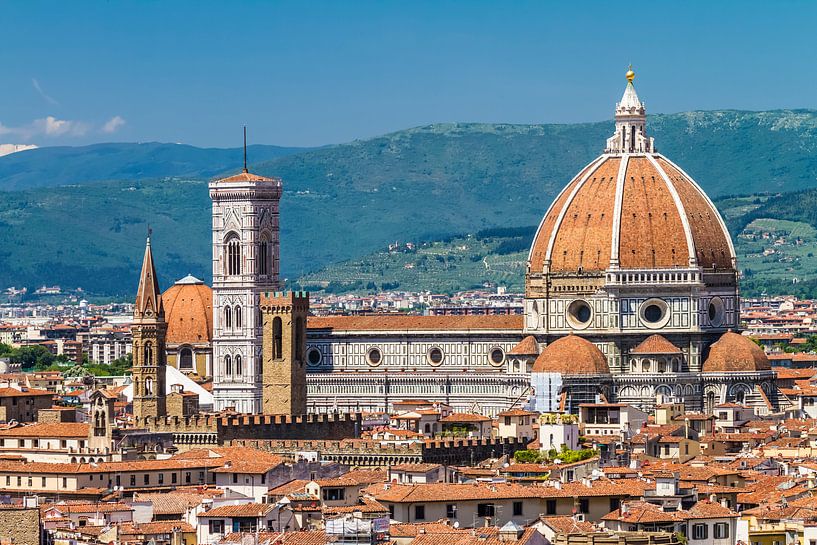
[
  {"x": 245, "y": 265},
  {"x": 149, "y": 329},
  {"x": 284, "y": 367}
]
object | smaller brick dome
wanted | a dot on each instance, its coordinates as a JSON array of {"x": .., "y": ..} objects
[
  {"x": 655, "y": 344},
  {"x": 571, "y": 355},
  {"x": 734, "y": 353},
  {"x": 526, "y": 347},
  {"x": 189, "y": 312}
]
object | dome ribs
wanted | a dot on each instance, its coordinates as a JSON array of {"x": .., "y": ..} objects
[
  {"x": 651, "y": 227},
  {"x": 539, "y": 249},
  {"x": 712, "y": 245},
  {"x": 586, "y": 228}
]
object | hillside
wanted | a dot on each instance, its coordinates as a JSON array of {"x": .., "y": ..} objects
[
  {"x": 64, "y": 165},
  {"x": 775, "y": 239},
  {"x": 346, "y": 201}
]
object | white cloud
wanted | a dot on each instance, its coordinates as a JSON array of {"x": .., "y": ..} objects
[
  {"x": 113, "y": 124},
  {"x": 48, "y": 126},
  {"x": 42, "y": 93}
]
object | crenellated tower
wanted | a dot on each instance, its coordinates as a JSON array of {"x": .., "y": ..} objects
[
  {"x": 284, "y": 366},
  {"x": 149, "y": 329}
]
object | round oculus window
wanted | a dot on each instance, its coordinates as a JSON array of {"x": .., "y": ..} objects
[
  {"x": 435, "y": 356},
  {"x": 716, "y": 311},
  {"x": 374, "y": 356},
  {"x": 654, "y": 313},
  {"x": 314, "y": 356},
  {"x": 496, "y": 356},
  {"x": 579, "y": 314}
]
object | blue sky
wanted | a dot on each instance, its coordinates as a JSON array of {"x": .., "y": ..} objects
[{"x": 314, "y": 72}]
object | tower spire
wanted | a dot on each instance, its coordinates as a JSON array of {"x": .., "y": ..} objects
[
  {"x": 245, "y": 149},
  {"x": 148, "y": 297},
  {"x": 631, "y": 120}
]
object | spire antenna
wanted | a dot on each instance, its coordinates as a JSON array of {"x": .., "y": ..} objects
[
  {"x": 245, "y": 149},
  {"x": 150, "y": 232}
]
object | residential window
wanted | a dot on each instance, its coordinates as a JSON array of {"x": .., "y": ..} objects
[
  {"x": 451, "y": 511},
  {"x": 216, "y": 526},
  {"x": 485, "y": 510},
  {"x": 133, "y": 480},
  {"x": 235, "y": 478},
  {"x": 419, "y": 512},
  {"x": 161, "y": 478},
  {"x": 64, "y": 482},
  {"x": 173, "y": 478},
  {"x": 19, "y": 481},
  {"x": 42, "y": 482},
  {"x": 201, "y": 477},
  {"x": 615, "y": 503},
  {"x": 700, "y": 531},
  {"x": 391, "y": 509},
  {"x": 263, "y": 478},
  {"x": 722, "y": 530},
  {"x": 245, "y": 525},
  {"x": 147, "y": 479},
  {"x": 550, "y": 507},
  {"x": 507, "y": 420},
  {"x": 8, "y": 480},
  {"x": 333, "y": 494},
  {"x": 517, "y": 508},
  {"x": 584, "y": 506},
  {"x": 30, "y": 482},
  {"x": 187, "y": 477}
]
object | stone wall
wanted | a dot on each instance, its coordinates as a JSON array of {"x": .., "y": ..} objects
[{"x": 20, "y": 526}]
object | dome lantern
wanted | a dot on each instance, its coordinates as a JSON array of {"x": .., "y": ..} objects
[{"x": 631, "y": 120}]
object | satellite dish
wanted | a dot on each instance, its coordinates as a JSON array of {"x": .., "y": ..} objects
[{"x": 456, "y": 524}]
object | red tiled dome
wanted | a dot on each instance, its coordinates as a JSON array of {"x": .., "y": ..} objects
[
  {"x": 655, "y": 344},
  {"x": 734, "y": 353},
  {"x": 189, "y": 312},
  {"x": 571, "y": 355},
  {"x": 648, "y": 215}
]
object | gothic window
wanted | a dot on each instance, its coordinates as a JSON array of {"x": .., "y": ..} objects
[
  {"x": 148, "y": 355},
  {"x": 238, "y": 366},
  {"x": 263, "y": 258},
  {"x": 186, "y": 358},
  {"x": 233, "y": 247},
  {"x": 149, "y": 386},
  {"x": 228, "y": 317},
  {"x": 238, "y": 317},
  {"x": 228, "y": 366},
  {"x": 277, "y": 338}
]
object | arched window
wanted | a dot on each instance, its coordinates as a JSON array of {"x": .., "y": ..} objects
[
  {"x": 263, "y": 258},
  {"x": 233, "y": 254},
  {"x": 186, "y": 358},
  {"x": 228, "y": 366},
  {"x": 277, "y": 338},
  {"x": 148, "y": 386},
  {"x": 148, "y": 355},
  {"x": 238, "y": 317},
  {"x": 228, "y": 317},
  {"x": 238, "y": 369}
]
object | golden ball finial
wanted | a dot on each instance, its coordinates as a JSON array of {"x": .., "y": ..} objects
[{"x": 630, "y": 75}]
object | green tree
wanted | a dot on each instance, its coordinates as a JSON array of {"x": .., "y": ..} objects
[{"x": 30, "y": 357}]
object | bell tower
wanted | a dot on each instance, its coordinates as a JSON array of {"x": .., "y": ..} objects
[
  {"x": 148, "y": 330},
  {"x": 245, "y": 265},
  {"x": 284, "y": 366}
]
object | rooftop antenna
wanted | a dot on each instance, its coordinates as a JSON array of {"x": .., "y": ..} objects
[
  {"x": 245, "y": 149},
  {"x": 150, "y": 232}
]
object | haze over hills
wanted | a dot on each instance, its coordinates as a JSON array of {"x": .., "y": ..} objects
[
  {"x": 65, "y": 165},
  {"x": 345, "y": 201}
]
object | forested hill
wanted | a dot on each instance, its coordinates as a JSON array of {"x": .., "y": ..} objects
[{"x": 346, "y": 201}]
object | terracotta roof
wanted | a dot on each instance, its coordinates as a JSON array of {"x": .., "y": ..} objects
[
  {"x": 655, "y": 344},
  {"x": 409, "y": 323},
  {"x": 171, "y": 503},
  {"x": 568, "y": 525},
  {"x": 481, "y": 536},
  {"x": 517, "y": 412},
  {"x": 153, "y": 528},
  {"x": 526, "y": 347},
  {"x": 23, "y": 392},
  {"x": 577, "y": 233},
  {"x": 311, "y": 537},
  {"x": 44, "y": 431},
  {"x": 571, "y": 355},
  {"x": 248, "y": 177},
  {"x": 464, "y": 417},
  {"x": 240, "y": 510},
  {"x": 406, "y": 529},
  {"x": 415, "y": 468},
  {"x": 84, "y": 507},
  {"x": 734, "y": 353},
  {"x": 188, "y": 313}
]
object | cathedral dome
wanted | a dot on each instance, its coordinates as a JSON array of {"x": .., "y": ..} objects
[
  {"x": 571, "y": 355},
  {"x": 189, "y": 312},
  {"x": 734, "y": 353},
  {"x": 631, "y": 208}
]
